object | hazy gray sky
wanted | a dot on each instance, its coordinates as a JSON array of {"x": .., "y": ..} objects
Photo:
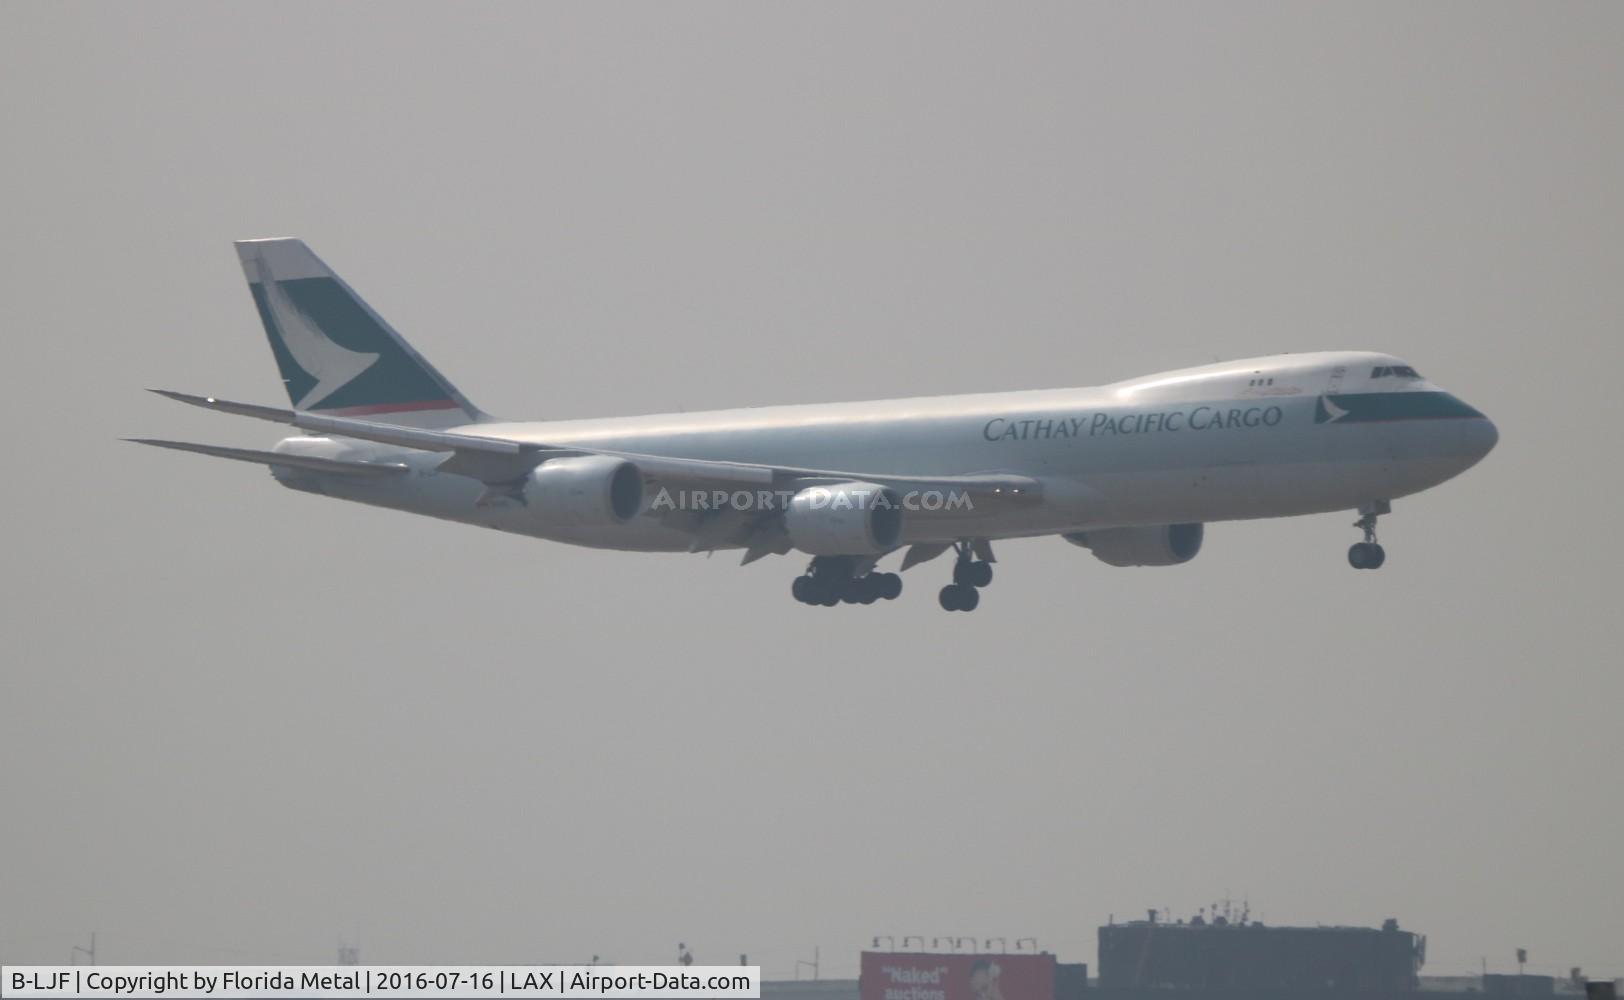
[{"x": 239, "y": 723}]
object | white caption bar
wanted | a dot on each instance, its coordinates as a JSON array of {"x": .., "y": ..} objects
[{"x": 323, "y": 981}]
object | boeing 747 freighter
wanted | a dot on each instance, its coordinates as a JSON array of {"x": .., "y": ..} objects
[{"x": 1131, "y": 471}]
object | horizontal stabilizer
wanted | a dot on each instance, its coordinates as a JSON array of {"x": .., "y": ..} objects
[
  {"x": 367, "y": 430},
  {"x": 309, "y": 462}
]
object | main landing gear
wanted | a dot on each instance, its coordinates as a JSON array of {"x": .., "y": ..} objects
[
  {"x": 969, "y": 576},
  {"x": 829, "y": 580},
  {"x": 1369, "y": 554}
]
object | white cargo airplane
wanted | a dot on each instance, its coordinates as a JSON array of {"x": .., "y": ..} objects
[{"x": 1130, "y": 470}]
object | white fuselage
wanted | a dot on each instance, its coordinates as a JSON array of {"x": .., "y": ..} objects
[{"x": 1265, "y": 437}]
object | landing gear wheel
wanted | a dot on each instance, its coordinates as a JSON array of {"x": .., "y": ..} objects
[
  {"x": 1366, "y": 555},
  {"x": 811, "y": 590},
  {"x": 828, "y": 583},
  {"x": 972, "y": 574},
  {"x": 959, "y": 597}
]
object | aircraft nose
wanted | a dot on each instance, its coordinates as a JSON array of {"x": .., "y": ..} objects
[{"x": 1481, "y": 437}]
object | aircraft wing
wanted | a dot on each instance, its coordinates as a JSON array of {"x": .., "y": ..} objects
[{"x": 501, "y": 461}]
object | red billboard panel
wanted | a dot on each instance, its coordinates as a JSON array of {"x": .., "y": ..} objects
[{"x": 909, "y": 976}]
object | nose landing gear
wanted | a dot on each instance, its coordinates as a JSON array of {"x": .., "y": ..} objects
[
  {"x": 969, "y": 575},
  {"x": 1369, "y": 554}
]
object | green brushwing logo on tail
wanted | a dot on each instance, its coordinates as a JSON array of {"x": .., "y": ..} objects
[{"x": 335, "y": 354}]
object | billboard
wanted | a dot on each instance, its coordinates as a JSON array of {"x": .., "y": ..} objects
[{"x": 917, "y": 976}]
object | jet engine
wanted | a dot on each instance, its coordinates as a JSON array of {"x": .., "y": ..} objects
[
  {"x": 585, "y": 491},
  {"x": 1157, "y": 545},
  {"x": 845, "y": 519}
]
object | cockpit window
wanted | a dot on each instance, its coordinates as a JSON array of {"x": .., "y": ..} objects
[{"x": 1394, "y": 371}]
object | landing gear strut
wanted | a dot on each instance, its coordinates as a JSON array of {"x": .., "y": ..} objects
[
  {"x": 969, "y": 575},
  {"x": 1369, "y": 554},
  {"x": 829, "y": 580}
]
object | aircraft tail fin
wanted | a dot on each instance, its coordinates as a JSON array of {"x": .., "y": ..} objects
[{"x": 336, "y": 355}]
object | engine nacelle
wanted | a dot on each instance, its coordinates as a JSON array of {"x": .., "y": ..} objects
[
  {"x": 846, "y": 519},
  {"x": 1156, "y": 545},
  {"x": 585, "y": 491}
]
